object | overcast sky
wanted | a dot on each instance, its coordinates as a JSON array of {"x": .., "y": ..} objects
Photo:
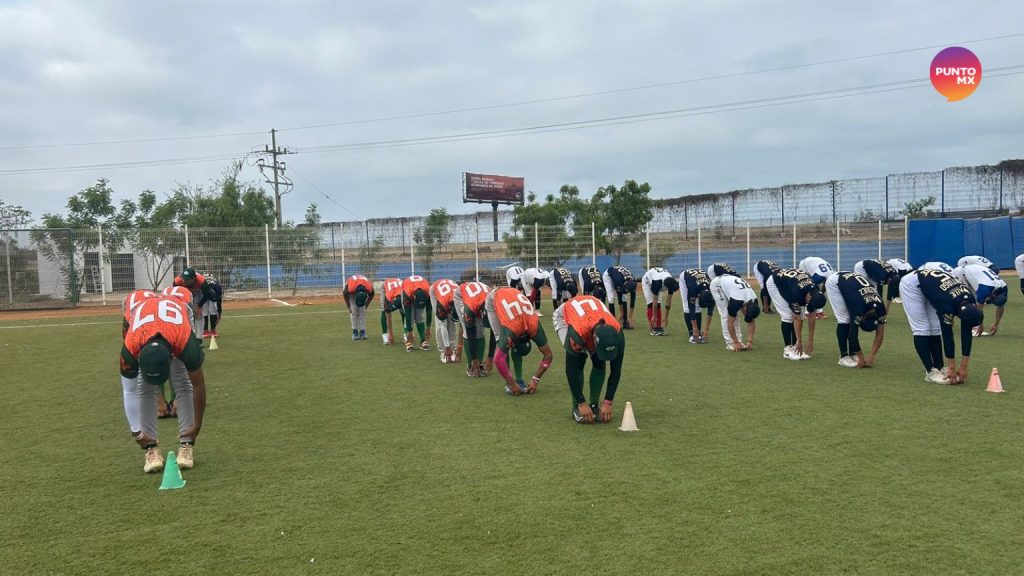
[{"x": 84, "y": 72}]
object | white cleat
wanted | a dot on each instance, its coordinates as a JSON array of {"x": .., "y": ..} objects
[
  {"x": 790, "y": 353},
  {"x": 730, "y": 347},
  {"x": 185, "y": 457},
  {"x": 936, "y": 376},
  {"x": 848, "y": 362},
  {"x": 154, "y": 461}
]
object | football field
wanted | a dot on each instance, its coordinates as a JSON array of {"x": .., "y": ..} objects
[{"x": 320, "y": 455}]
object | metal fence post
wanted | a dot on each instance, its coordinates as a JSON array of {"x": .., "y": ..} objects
[
  {"x": 266, "y": 232},
  {"x": 188, "y": 257},
  {"x": 103, "y": 270},
  {"x": 748, "y": 250},
  {"x": 700, "y": 263},
  {"x": 943, "y": 193},
  {"x": 476, "y": 246},
  {"x": 412, "y": 258},
  {"x": 648, "y": 245},
  {"x": 794, "y": 244},
  {"x": 593, "y": 245},
  {"x": 839, "y": 261},
  {"x": 906, "y": 234},
  {"x": 886, "y": 196},
  {"x": 10, "y": 283},
  {"x": 344, "y": 274},
  {"x": 879, "y": 239},
  {"x": 536, "y": 246}
]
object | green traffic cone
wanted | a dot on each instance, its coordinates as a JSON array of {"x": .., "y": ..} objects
[{"x": 172, "y": 474}]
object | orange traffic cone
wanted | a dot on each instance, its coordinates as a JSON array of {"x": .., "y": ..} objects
[{"x": 994, "y": 383}]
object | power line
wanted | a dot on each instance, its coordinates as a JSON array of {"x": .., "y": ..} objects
[
  {"x": 558, "y": 127},
  {"x": 519, "y": 103},
  {"x": 324, "y": 194}
]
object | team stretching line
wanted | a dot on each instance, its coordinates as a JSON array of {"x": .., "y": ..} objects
[{"x": 112, "y": 322}]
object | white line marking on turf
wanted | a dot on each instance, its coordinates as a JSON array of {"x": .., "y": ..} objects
[
  {"x": 108, "y": 323},
  {"x": 281, "y": 302}
]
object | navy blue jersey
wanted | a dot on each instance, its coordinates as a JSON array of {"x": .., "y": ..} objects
[
  {"x": 860, "y": 296},
  {"x": 793, "y": 286},
  {"x": 562, "y": 278},
  {"x": 766, "y": 268},
  {"x": 619, "y": 275},
  {"x": 879, "y": 271},
  {"x": 591, "y": 278},
  {"x": 945, "y": 292},
  {"x": 721, "y": 269},
  {"x": 696, "y": 281}
]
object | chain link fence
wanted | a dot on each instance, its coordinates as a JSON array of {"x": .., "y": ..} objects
[{"x": 59, "y": 268}]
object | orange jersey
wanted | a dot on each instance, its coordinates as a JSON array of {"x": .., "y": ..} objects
[
  {"x": 354, "y": 282},
  {"x": 134, "y": 299},
  {"x": 583, "y": 314},
  {"x": 164, "y": 316},
  {"x": 474, "y": 294},
  {"x": 515, "y": 312},
  {"x": 414, "y": 283},
  {"x": 392, "y": 289},
  {"x": 180, "y": 292},
  {"x": 200, "y": 280},
  {"x": 444, "y": 292}
]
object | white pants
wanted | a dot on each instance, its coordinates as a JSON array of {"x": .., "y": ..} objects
[
  {"x": 835, "y": 298},
  {"x": 780, "y": 304},
  {"x": 722, "y": 303},
  {"x": 660, "y": 298},
  {"x": 922, "y": 316},
  {"x": 446, "y": 333}
]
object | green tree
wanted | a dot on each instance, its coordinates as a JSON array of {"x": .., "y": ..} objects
[
  {"x": 371, "y": 254},
  {"x": 13, "y": 216},
  {"x": 918, "y": 208},
  {"x": 625, "y": 212},
  {"x": 431, "y": 238},
  {"x": 557, "y": 216}
]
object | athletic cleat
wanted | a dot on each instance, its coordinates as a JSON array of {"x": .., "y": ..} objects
[
  {"x": 213, "y": 333},
  {"x": 154, "y": 461},
  {"x": 730, "y": 347},
  {"x": 897, "y": 300},
  {"x": 936, "y": 376},
  {"x": 804, "y": 356},
  {"x": 206, "y": 333},
  {"x": 703, "y": 339},
  {"x": 362, "y": 334},
  {"x": 790, "y": 353},
  {"x": 424, "y": 345},
  {"x": 386, "y": 339},
  {"x": 654, "y": 332},
  {"x": 522, "y": 386},
  {"x": 578, "y": 417},
  {"x": 186, "y": 459},
  {"x": 848, "y": 362},
  {"x": 693, "y": 340},
  {"x": 409, "y": 347},
  {"x": 355, "y": 336}
]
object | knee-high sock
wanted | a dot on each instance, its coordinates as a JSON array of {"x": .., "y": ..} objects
[
  {"x": 843, "y": 335},
  {"x": 611, "y": 308},
  {"x": 935, "y": 346},
  {"x": 383, "y": 322},
  {"x": 517, "y": 365},
  {"x": 687, "y": 316},
  {"x": 650, "y": 316},
  {"x": 788, "y": 334},
  {"x": 421, "y": 329},
  {"x": 697, "y": 316},
  {"x": 596, "y": 380},
  {"x": 923, "y": 352},
  {"x": 657, "y": 315}
]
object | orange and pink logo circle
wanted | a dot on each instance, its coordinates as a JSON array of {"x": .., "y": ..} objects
[{"x": 955, "y": 73}]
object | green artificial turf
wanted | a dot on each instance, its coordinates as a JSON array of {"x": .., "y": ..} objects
[{"x": 321, "y": 455}]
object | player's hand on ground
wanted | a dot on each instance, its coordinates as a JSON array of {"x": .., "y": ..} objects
[
  {"x": 532, "y": 388},
  {"x": 962, "y": 375},
  {"x": 952, "y": 375},
  {"x": 586, "y": 414},
  {"x": 606, "y": 412},
  {"x": 992, "y": 330},
  {"x": 513, "y": 387}
]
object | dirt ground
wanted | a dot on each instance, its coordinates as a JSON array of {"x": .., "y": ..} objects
[{"x": 87, "y": 311}]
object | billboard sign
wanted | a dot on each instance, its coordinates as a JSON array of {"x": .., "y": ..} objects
[{"x": 487, "y": 189}]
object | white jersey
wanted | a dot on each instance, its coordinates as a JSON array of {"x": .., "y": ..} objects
[
  {"x": 1018, "y": 263},
  {"x": 977, "y": 275},
  {"x": 937, "y": 266},
  {"x": 649, "y": 277},
  {"x": 978, "y": 260},
  {"x": 734, "y": 288},
  {"x": 513, "y": 274},
  {"x": 530, "y": 278},
  {"x": 817, "y": 268},
  {"x": 900, "y": 265}
]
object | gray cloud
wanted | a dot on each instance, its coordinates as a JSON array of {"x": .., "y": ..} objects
[{"x": 75, "y": 72}]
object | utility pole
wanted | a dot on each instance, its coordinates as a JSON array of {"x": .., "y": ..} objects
[{"x": 278, "y": 167}]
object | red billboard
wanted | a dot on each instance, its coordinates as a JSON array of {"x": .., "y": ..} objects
[{"x": 487, "y": 188}]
